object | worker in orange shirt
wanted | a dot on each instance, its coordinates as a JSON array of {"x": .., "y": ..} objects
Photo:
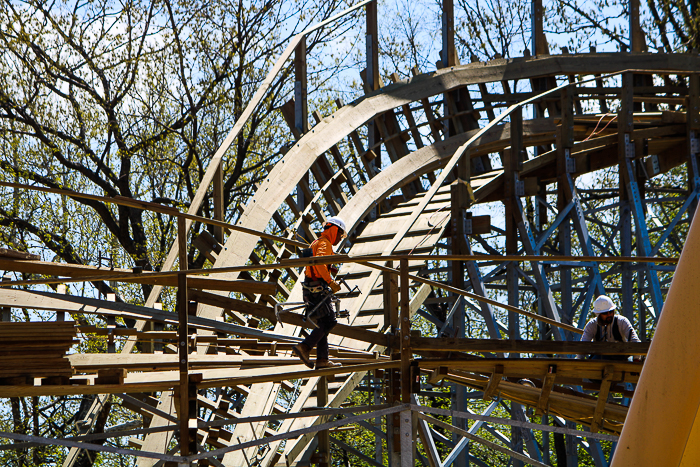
[{"x": 317, "y": 286}]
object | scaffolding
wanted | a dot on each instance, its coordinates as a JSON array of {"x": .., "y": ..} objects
[{"x": 466, "y": 222}]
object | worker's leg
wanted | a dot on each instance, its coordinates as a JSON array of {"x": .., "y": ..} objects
[
  {"x": 327, "y": 323},
  {"x": 319, "y": 336},
  {"x": 322, "y": 347},
  {"x": 312, "y": 300}
]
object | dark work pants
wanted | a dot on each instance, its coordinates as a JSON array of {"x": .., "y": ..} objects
[
  {"x": 325, "y": 320},
  {"x": 319, "y": 337}
]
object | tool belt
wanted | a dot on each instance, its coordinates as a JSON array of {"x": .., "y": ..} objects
[{"x": 314, "y": 286}]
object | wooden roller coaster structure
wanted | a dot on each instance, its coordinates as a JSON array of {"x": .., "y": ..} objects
[{"x": 452, "y": 222}]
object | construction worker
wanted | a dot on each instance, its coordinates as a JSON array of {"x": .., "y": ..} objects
[
  {"x": 318, "y": 285},
  {"x": 607, "y": 327}
]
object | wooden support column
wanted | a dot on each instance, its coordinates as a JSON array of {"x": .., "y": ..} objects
[
  {"x": 405, "y": 424},
  {"x": 511, "y": 171},
  {"x": 625, "y": 124},
  {"x": 564, "y": 144},
  {"x": 372, "y": 75},
  {"x": 405, "y": 334},
  {"x": 393, "y": 422},
  {"x": 324, "y": 443},
  {"x": 372, "y": 46},
  {"x": 636, "y": 38},
  {"x": 602, "y": 398},
  {"x": 539, "y": 41},
  {"x": 406, "y": 429},
  {"x": 188, "y": 439},
  {"x": 461, "y": 198},
  {"x": 448, "y": 58},
  {"x": 301, "y": 109},
  {"x": 627, "y": 159},
  {"x": 541, "y": 216},
  {"x": 6, "y": 312},
  {"x": 391, "y": 299},
  {"x": 566, "y": 167},
  {"x": 448, "y": 54},
  {"x": 218, "y": 196},
  {"x": 111, "y": 326},
  {"x": 602, "y": 102}
]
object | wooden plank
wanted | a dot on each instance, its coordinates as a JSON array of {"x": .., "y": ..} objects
[
  {"x": 8, "y": 253},
  {"x": 572, "y": 405},
  {"x": 527, "y": 346},
  {"x": 602, "y": 398},
  {"x": 547, "y": 384},
  {"x": 494, "y": 381},
  {"x": 568, "y": 370},
  {"x": 76, "y": 271}
]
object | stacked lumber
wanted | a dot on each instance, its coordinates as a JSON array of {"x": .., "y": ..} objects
[
  {"x": 35, "y": 350},
  {"x": 14, "y": 254}
]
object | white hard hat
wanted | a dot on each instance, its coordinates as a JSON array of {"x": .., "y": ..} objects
[
  {"x": 337, "y": 221},
  {"x": 603, "y": 304}
]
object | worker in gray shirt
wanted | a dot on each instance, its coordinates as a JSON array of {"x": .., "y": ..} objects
[{"x": 606, "y": 327}]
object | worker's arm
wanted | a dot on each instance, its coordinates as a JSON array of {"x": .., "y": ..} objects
[
  {"x": 627, "y": 330},
  {"x": 588, "y": 334},
  {"x": 324, "y": 248}
]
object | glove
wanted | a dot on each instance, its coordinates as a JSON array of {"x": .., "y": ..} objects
[
  {"x": 335, "y": 287},
  {"x": 333, "y": 269}
]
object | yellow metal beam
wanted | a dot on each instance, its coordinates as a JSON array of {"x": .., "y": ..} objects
[{"x": 661, "y": 427}]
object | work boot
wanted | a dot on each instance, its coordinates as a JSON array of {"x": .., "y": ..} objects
[
  {"x": 326, "y": 364},
  {"x": 302, "y": 351}
]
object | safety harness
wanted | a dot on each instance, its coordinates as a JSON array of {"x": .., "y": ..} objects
[{"x": 600, "y": 335}]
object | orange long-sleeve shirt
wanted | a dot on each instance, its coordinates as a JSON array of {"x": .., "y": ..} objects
[{"x": 323, "y": 246}]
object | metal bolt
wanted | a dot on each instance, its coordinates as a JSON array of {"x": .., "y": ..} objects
[
  {"x": 183, "y": 361},
  {"x": 405, "y": 337},
  {"x": 182, "y": 343}
]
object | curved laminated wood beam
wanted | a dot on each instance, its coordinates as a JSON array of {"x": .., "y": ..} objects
[
  {"x": 287, "y": 173},
  {"x": 662, "y": 426}
]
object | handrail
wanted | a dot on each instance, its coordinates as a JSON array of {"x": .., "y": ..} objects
[{"x": 302, "y": 262}]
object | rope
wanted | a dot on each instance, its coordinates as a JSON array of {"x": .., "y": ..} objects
[{"x": 598, "y": 124}]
